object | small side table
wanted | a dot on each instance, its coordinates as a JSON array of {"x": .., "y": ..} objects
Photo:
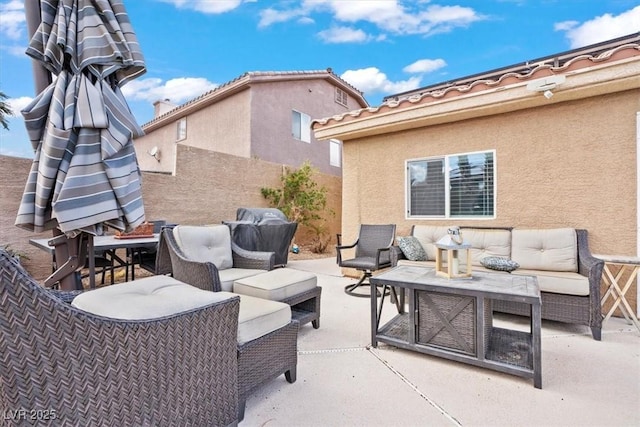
[{"x": 615, "y": 289}]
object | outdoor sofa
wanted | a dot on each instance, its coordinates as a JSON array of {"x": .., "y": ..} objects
[{"x": 568, "y": 274}]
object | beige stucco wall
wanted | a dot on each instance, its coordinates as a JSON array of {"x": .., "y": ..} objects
[
  {"x": 223, "y": 127},
  {"x": 271, "y": 107},
  {"x": 207, "y": 189},
  {"x": 571, "y": 164}
]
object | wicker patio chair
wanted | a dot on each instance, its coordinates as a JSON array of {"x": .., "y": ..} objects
[
  {"x": 372, "y": 253},
  {"x": 206, "y": 275},
  {"x": 262, "y": 359},
  {"x": 74, "y": 368}
]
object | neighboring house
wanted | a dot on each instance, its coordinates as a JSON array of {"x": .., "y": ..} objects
[
  {"x": 553, "y": 142},
  {"x": 259, "y": 115}
]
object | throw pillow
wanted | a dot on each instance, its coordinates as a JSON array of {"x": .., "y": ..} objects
[
  {"x": 499, "y": 263},
  {"x": 411, "y": 248}
]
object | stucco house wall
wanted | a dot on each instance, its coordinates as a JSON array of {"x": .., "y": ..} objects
[
  {"x": 271, "y": 108},
  {"x": 250, "y": 116},
  {"x": 568, "y": 158},
  {"x": 562, "y": 165}
]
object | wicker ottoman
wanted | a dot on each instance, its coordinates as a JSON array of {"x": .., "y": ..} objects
[{"x": 297, "y": 288}]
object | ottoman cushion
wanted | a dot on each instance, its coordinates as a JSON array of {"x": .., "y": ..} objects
[
  {"x": 258, "y": 317},
  {"x": 276, "y": 285},
  {"x": 147, "y": 298}
]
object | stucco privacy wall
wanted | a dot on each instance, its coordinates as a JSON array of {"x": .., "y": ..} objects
[
  {"x": 562, "y": 165},
  {"x": 207, "y": 189}
]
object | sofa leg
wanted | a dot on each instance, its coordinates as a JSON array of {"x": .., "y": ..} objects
[
  {"x": 241, "y": 405},
  {"x": 290, "y": 375},
  {"x": 597, "y": 333},
  {"x": 315, "y": 323}
]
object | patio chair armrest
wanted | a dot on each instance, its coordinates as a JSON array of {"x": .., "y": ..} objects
[
  {"x": 340, "y": 248},
  {"x": 396, "y": 254},
  {"x": 591, "y": 267},
  {"x": 243, "y": 258},
  {"x": 64, "y": 296},
  {"x": 379, "y": 252}
]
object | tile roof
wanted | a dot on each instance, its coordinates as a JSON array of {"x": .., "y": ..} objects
[
  {"x": 611, "y": 51},
  {"x": 247, "y": 78}
]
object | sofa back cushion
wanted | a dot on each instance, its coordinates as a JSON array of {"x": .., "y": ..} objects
[
  {"x": 211, "y": 243},
  {"x": 486, "y": 243},
  {"x": 545, "y": 249},
  {"x": 428, "y": 235}
]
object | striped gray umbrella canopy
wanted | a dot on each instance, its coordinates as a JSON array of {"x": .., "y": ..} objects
[{"x": 85, "y": 173}]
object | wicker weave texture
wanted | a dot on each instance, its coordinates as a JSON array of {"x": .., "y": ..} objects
[{"x": 91, "y": 370}]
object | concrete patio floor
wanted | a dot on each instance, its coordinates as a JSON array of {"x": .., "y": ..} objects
[{"x": 342, "y": 381}]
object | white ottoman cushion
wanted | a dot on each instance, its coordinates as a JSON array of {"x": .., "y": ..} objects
[
  {"x": 230, "y": 275},
  {"x": 147, "y": 298},
  {"x": 259, "y": 317},
  {"x": 276, "y": 285}
]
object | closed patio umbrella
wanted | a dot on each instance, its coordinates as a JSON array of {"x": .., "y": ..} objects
[{"x": 85, "y": 174}]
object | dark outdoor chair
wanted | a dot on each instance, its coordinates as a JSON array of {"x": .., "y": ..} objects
[
  {"x": 77, "y": 368},
  {"x": 372, "y": 253},
  {"x": 146, "y": 258}
]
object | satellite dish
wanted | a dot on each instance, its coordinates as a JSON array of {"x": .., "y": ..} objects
[
  {"x": 546, "y": 83},
  {"x": 153, "y": 151}
]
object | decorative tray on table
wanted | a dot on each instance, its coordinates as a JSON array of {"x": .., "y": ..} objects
[{"x": 142, "y": 231}]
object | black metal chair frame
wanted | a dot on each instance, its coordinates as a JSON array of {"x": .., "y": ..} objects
[{"x": 373, "y": 248}]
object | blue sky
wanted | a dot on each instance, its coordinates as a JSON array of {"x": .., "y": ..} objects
[{"x": 381, "y": 47}]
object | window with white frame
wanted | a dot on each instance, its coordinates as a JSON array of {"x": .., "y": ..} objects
[
  {"x": 335, "y": 153},
  {"x": 181, "y": 129},
  {"x": 453, "y": 186},
  {"x": 301, "y": 126}
]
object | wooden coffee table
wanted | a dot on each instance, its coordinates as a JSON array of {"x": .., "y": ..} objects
[{"x": 453, "y": 319}]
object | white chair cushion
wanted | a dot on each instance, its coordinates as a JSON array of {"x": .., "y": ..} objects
[
  {"x": 259, "y": 317},
  {"x": 558, "y": 282},
  {"x": 428, "y": 235},
  {"x": 230, "y": 275},
  {"x": 545, "y": 249},
  {"x": 148, "y": 298},
  {"x": 485, "y": 243},
  {"x": 276, "y": 285},
  {"x": 211, "y": 243}
]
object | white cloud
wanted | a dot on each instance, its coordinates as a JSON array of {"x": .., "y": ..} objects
[
  {"x": 206, "y": 6},
  {"x": 565, "y": 25},
  {"x": 391, "y": 16},
  {"x": 602, "y": 28},
  {"x": 18, "y": 104},
  {"x": 272, "y": 16},
  {"x": 177, "y": 90},
  {"x": 425, "y": 66},
  {"x": 372, "y": 80},
  {"x": 12, "y": 20},
  {"x": 343, "y": 35}
]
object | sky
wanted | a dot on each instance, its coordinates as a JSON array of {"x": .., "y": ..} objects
[{"x": 381, "y": 47}]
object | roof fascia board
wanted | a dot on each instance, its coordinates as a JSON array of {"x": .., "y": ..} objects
[{"x": 581, "y": 83}]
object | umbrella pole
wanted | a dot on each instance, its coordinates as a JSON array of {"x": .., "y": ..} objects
[{"x": 42, "y": 79}]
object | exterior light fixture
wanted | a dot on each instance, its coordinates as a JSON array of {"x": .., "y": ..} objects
[{"x": 545, "y": 85}]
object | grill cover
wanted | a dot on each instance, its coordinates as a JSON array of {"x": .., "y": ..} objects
[{"x": 263, "y": 229}]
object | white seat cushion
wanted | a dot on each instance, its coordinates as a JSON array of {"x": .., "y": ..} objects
[
  {"x": 211, "y": 243},
  {"x": 485, "y": 243},
  {"x": 558, "y": 282},
  {"x": 259, "y": 317},
  {"x": 230, "y": 275},
  {"x": 276, "y": 285},
  {"x": 148, "y": 298},
  {"x": 545, "y": 249}
]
